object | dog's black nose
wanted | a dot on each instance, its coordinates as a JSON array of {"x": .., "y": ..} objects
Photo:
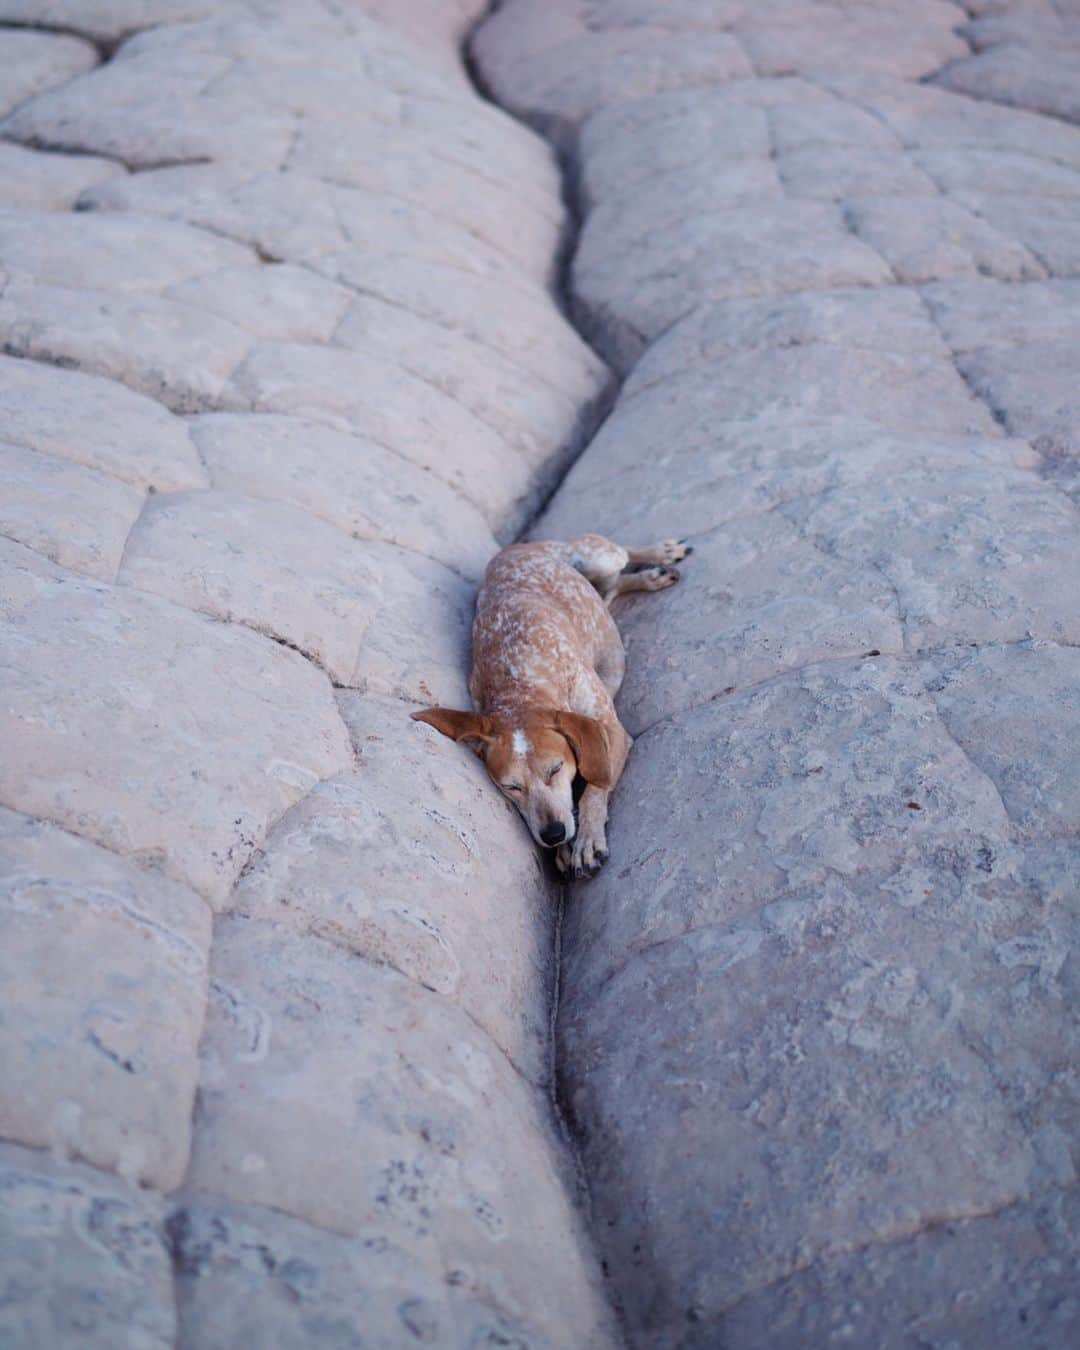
[{"x": 553, "y": 834}]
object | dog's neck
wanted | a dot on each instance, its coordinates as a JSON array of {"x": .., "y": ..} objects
[{"x": 515, "y": 701}]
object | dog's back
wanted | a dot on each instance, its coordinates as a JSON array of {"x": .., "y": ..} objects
[{"x": 540, "y": 626}]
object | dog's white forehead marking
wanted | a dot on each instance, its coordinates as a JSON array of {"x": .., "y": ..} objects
[{"x": 520, "y": 742}]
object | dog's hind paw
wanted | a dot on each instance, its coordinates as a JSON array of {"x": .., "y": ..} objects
[
  {"x": 673, "y": 550},
  {"x": 658, "y": 578}
]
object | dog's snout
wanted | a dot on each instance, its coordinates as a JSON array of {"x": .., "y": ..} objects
[{"x": 553, "y": 834}]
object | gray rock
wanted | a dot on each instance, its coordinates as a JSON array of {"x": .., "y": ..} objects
[
  {"x": 106, "y": 964},
  {"x": 369, "y": 614},
  {"x": 110, "y": 252},
  {"x": 371, "y": 394},
  {"x": 991, "y": 700},
  {"x": 31, "y": 62},
  {"x": 993, "y": 1281},
  {"x": 76, "y": 516},
  {"x": 99, "y": 424},
  {"x": 412, "y": 861},
  {"x": 867, "y": 1068},
  {"x": 247, "y": 1275},
  {"x": 354, "y": 483},
  {"x": 448, "y": 1152},
  {"x": 49, "y": 182},
  {"x": 627, "y": 301},
  {"x": 84, "y": 1260},
  {"x": 157, "y": 347},
  {"x": 171, "y": 739}
]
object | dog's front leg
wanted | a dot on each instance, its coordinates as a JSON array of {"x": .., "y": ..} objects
[{"x": 588, "y": 851}]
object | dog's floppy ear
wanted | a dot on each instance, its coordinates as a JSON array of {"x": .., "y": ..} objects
[
  {"x": 472, "y": 727},
  {"x": 589, "y": 742}
]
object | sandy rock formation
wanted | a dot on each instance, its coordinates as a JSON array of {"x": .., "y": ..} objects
[
  {"x": 283, "y": 360},
  {"x": 817, "y": 1037},
  {"x": 281, "y": 366}
]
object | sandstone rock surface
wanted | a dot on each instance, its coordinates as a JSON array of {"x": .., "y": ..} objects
[
  {"x": 815, "y": 1037},
  {"x": 301, "y": 1046},
  {"x": 280, "y": 364}
]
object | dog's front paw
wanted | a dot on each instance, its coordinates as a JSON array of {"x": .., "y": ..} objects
[
  {"x": 674, "y": 550},
  {"x": 589, "y": 854}
]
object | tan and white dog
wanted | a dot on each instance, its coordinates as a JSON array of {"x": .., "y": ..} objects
[{"x": 547, "y": 663}]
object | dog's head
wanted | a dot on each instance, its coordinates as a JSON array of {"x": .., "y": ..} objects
[{"x": 533, "y": 760}]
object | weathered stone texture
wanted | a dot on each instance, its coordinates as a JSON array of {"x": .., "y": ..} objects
[
  {"x": 279, "y": 364},
  {"x": 418, "y": 1131},
  {"x": 247, "y": 1275},
  {"x": 409, "y": 860},
  {"x": 816, "y": 1033},
  {"x": 82, "y": 1258},
  {"x": 107, "y": 964}
]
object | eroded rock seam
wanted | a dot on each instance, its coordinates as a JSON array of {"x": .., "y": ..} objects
[{"x": 561, "y": 292}]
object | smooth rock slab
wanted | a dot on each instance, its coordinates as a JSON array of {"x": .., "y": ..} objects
[
  {"x": 807, "y": 37},
  {"x": 543, "y": 63},
  {"x": 371, "y": 615},
  {"x": 846, "y": 1072},
  {"x": 103, "y": 20},
  {"x": 994, "y": 700},
  {"x": 172, "y": 352},
  {"x": 1050, "y": 229},
  {"x": 976, "y": 554},
  {"x": 413, "y": 860},
  {"x": 165, "y": 737},
  {"x": 278, "y": 300},
  {"x": 1035, "y": 391},
  {"x": 92, "y": 113},
  {"x": 1040, "y": 77},
  {"x": 49, "y": 181},
  {"x": 373, "y": 396},
  {"x": 442, "y": 173},
  {"x": 106, "y": 965},
  {"x": 928, "y": 118},
  {"x": 110, "y": 251},
  {"x": 354, "y": 483},
  {"x": 906, "y": 394},
  {"x": 627, "y": 301},
  {"x": 757, "y": 599},
  {"x": 892, "y": 320},
  {"x": 412, "y": 1126},
  {"x": 748, "y": 468},
  {"x": 83, "y": 1261},
  {"x": 842, "y": 771},
  {"x": 518, "y": 321},
  {"x": 76, "y": 516},
  {"x": 994, "y": 1281},
  {"x": 500, "y": 393},
  {"x": 930, "y": 238},
  {"x": 31, "y": 62},
  {"x": 979, "y": 315},
  {"x": 97, "y": 423},
  {"x": 247, "y": 1275}
]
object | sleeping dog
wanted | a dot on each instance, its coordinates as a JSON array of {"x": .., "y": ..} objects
[{"x": 547, "y": 663}]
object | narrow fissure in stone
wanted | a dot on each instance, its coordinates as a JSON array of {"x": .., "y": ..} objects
[{"x": 562, "y": 293}]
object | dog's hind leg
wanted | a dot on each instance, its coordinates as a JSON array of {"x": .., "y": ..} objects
[
  {"x": 645, "y": 579},
  {"x": 597, "y": 559},
  {"x": 667, "y": 551}
]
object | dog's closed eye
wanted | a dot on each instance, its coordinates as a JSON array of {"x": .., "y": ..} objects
[
  {"x": 512, "y": 787},
  {"x": 554, "y": 771}
]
